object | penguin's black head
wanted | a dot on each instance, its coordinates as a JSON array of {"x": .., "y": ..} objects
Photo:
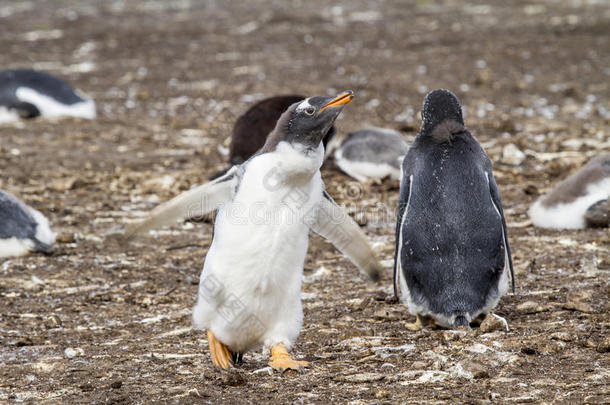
[
  {"x": 308, "y": 121},
  {"x": 440, "y": 106}
]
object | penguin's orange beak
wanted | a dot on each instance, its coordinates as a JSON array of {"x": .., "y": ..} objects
[{"x": 341, "y": 99}]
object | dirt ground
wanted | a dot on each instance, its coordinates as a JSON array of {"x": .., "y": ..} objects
[{"x": 101, "y": 322}]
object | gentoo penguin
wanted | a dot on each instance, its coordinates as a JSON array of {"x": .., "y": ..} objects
[
  {"x": 249, "y": 292},
  {"x": 28, "y": 93},
  {"x": 22, "y": 228},
  {"x": 452, "y": 256},
  {"x": 251, "y": 129},
  {"x": 372, "y": 153},
  {"x": 579, "y": 201}
]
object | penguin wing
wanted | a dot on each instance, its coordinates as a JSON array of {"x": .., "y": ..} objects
[
  {"x": 403, "y": 203},
  {"x": 334, "y": 224},
  {"x": 190, "y": 204},
  {"x": 25, "y": 109},
  {"x": 495, "y": 199}
]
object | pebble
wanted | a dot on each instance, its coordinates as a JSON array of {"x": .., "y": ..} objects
[
  {"x": 512, "y": 155},
  {"x": 233, "y": 379},
  {"x": 66, "y": 237},
  {"x": 477, "y": 369},
  {"x": 71, "y": 353},
  {"x": 493, "y": 323},
  {"x": 360, "y": 378},
  {"x": 529, "y": 307},
  {"x": 382, "y": 394},
  {"x": 604, "y": 345}
]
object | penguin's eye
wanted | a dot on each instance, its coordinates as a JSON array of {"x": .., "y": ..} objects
[{"x": 310, "y": 110}]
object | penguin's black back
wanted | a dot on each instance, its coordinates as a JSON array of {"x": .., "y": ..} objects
[
  {"x": 452, "y": 253},
  {"x": 42, "y": 82}
]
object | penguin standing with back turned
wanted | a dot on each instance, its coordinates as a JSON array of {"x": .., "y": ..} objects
[
  {"x": 452, "y": 259},
  {"x": 250, "y": 286}
]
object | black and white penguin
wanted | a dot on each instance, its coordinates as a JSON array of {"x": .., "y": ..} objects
[
  {"x": 249, "y": 292},
  {"x": 27, "y": 93},
  {"x": 578, "y": 202},
  {"x": 251, "y": 129},
  {"x": 22, "y": 228},
  {"x": 372, "y": 153},
  {"x": 452, "y": 259}
]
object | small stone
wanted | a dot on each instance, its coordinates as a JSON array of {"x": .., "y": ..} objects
[
  {"x": 528, "y": 350},
  {"x": 86, "y": 387},
  {"x": 233, "y": 379},
  {"x": 63, "y": 184},
  {"x": 265, "y": 370},
  {"x": 159, "y": 183},
  {"x": 478, "y": 370},
  {"x": 604, "y": 345},
  {"x": 579, "y": 306},
  {"x": 529, "y": 307},
  {"x": 562, "y": 336},
  {"x": 512, "y": 155},
  {"x": 66, "y": 237},
  {"x": 493, "y": 323},
  {"x": 454, "y": 335},
  {"x": 116, "y": 384},
  {"x": 71, "y": 353},
  {"x": 382, "y": 314},
  {"x": 382, "y": 394},
  {"x": 52, "y": 321},
  {"x": 360, "y": 378},
  {"x": 418, "y": 365},
  {"x": 483, "y": 77}
]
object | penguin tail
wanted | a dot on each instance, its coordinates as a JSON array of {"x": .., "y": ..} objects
[{"x": 460, "y": 320}]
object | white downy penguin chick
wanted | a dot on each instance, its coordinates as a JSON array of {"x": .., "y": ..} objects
[{"x": 249, "y": 292}]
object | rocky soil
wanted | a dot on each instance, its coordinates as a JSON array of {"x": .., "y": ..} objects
[{"x": 102, "y": 322}]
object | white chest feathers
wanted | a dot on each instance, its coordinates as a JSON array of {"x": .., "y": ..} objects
[{"x": 256, "y": 258}]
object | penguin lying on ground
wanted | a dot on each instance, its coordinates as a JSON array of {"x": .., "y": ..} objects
[
  {"x": 249, "y": 292},
  {"x": 372, "y": 153},
  {"x": 30, "y": 93},
  {"x": 452, "y": 255},
  {"x": 22, "y": 228},
  {"x": 582, "y": 200},
  {"x": 252, "y": 128}
]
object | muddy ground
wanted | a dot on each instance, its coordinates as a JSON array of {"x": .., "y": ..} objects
[{"x": 110, "y": 323}]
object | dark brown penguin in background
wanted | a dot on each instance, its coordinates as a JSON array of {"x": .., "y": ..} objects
[{"x": 251, "y": 129}]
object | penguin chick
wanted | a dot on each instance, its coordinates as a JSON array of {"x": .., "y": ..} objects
[
  {"x": 372, "y": 153},
  {"x": 578, "y": 201},
  {"x": 251, "y": 129},
  {"x": 452, "y": 259},
  {"x": 22, "y": 228},
  {"x": 249, "y": 291},
  {"x": 27, "y": 93}
]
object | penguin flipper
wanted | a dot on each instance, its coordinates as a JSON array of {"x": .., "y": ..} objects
[
  {"x": 25, "y": 109},
  {"x": 190, "y": 204},
  {"x": 403, "y": 203},
  {"x": 334, "y": 224},
  {"x": 495, "y": 198}
]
